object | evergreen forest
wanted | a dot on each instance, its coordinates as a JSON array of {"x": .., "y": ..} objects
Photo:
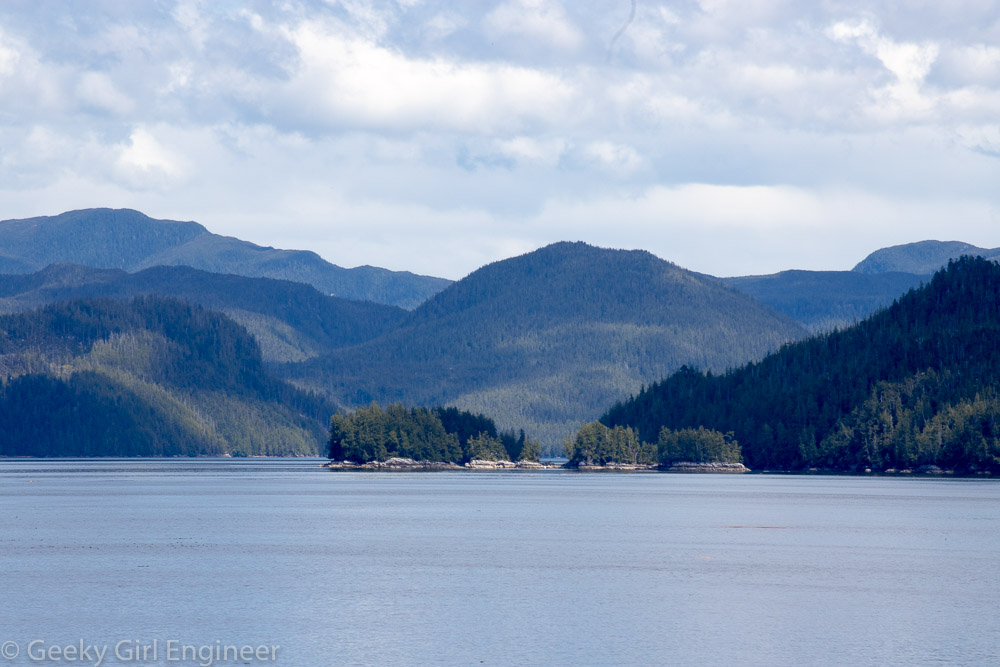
[{"x": 917, "y": 384}]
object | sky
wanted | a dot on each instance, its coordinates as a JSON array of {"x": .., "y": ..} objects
[{"x": 731, "y": 137}]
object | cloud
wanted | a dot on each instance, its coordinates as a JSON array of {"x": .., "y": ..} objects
[
  {"x": 145, "y": 162},
  {"x": 345, "y": 81},
  {"x": 540, "y": 22},
  {"x": 97, "y": 91},
  {"x": 909, "y": 62},
  {"x": 615, "y": 157},
  {"x": 727, "y": 135},
  {"x": 537, "y": 151},
  {"x": 8, "y": 58}
]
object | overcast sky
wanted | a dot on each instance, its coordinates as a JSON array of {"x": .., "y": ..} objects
[{"x": 728, "y": 136}]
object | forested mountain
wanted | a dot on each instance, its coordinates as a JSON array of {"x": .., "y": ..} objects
[
  {"x": 149, "y": 377},
  {"x": 291, "y": 321},
  {"x": 915, "y": 384},
  {"x": 825, "y": 300},
  {"x": 545, "y": 341},
  {"x": 129, "y": 240},
  {"x": 921, "y": 258}
]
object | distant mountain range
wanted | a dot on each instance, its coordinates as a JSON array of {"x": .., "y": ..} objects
[
  {"x": 541, "y": 342},
  {"x": 291, "y": 321},
  {"x": 128, "y": 240},
  {"x": 921, "y": 258},
  {"x": 824, "y": 300},
  {"x": 548, "y": 339}
]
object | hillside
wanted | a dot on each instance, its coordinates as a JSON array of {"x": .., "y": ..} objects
[
  {"x": 150, "y": 377},
  {"x": 825, "y": 300},
  {"x": 546, "y": 340},
  {"x": 291, "y": 321},
  {"x": 916, "y": 384},
  {"x": 921, "y": 258},
  {"x": 128, "y": 240}
]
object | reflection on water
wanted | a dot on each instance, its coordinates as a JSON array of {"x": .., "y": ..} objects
[{"x": 498, "y": 567}]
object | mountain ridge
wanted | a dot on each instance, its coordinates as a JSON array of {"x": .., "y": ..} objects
[
  {"x": 543, "y": 339},
  {"x": 290, "y": 320},
  {"x": 920, "y": 257},
  {"x": 130, "y": 240}
]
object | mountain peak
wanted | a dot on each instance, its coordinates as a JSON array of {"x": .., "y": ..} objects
[
  {"x": 920, "y": 258},
  {"x": 130, "y": 240}
]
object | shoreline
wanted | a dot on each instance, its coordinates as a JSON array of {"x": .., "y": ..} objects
[{"x": 682, "y": 467}]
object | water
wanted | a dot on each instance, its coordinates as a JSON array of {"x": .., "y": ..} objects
[{"x": 495, "y": 568}]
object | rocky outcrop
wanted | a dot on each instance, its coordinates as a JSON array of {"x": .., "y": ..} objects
[
  {"x": 616, "y": 466},
  {"x": 482, "y": 464},
  {"x": 397, "y": 463},
  {"x": 692, "y": 466},
  {"x": 394, "y": 463}
]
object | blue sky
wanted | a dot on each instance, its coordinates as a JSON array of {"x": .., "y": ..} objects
[{"x": 729, "y": 136}]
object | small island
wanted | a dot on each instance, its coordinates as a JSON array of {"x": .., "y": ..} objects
[
  {"x": 401, "y": 438},
  {"x": 599, "y": 447},
  {"x": 416, "y": 439}
]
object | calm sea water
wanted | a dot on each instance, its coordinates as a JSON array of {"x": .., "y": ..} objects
[{"x": 492, "y": 568}]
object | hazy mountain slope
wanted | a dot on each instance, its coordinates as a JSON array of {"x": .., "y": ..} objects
[
  {"x": 148, "y": 377},
  {"x": 915, "y": 384},
  {"x": 106, "y": 238},
  {"x": 921, "y": 258},
  {"x": 290, "y": 320},
  {"x": 824, "y": 300},
  {"x": 129, "y": 240},
  {"x": 550, "y": 338}
]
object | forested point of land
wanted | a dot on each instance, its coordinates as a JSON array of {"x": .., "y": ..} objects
[
  {"x": 146, "y": 377},
  {"x": 917, "y": 384},
  {"x": 446, "y": 435}
]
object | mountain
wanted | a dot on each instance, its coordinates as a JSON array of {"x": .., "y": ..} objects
[
  {"x": 825, "y": 300},
  {"x": 922, "y": 258},
  {"x": 148, "y": 377},
  {"x": 291, "y": 321},
  {"x": 128, "y": 240},
  {"x": 915, "y": 384},
  {"x": 548, "y": 339}
]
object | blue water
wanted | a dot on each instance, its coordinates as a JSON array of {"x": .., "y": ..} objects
[{"x": 495, "y": 568}]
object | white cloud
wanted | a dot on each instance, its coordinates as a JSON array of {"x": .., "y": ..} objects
[
  {"x": 353, "y": 82},
  {"x": 909, "y": 62},
  {"x": 538, "y": 21},
  {"x": 616, "y": 157},
  {"x": 527, "y": 149},
  {"x": 444, "y": 24},
  {"x": 97, "y": 90},
  {"x": 8, "y": 58},
  {"x": 145, "y": 162}
]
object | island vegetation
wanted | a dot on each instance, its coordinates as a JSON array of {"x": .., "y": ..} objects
[
  {"x": 443, "y": 435},
  {"x": 596, "y": 445}
]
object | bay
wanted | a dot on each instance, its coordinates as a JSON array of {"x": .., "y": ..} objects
[{"x": 496, "y": 567}]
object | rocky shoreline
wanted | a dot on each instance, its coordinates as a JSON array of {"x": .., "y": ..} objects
[
  {"x": 627, "y": 467},
  {"x": 402, "y": 464},
  {"x": 691, "y": 466}
]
